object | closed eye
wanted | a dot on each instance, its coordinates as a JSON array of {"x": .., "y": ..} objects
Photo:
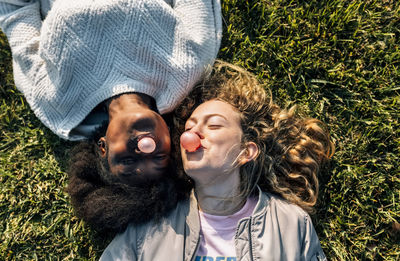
[
  {"x": 160, "y": 157},
  {"x": 214, "y": 127}
]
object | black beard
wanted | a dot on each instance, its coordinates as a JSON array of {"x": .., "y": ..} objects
[
  {"x": 110, "y": 205},
  {"x": 111, "y": 208}
]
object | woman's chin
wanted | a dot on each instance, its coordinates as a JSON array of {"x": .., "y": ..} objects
[{"x": 193, "y": 170}]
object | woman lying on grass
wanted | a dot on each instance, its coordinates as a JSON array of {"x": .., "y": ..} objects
[
  {"x": 120, "y": 63},
  {"x": 254, "y": 170}
]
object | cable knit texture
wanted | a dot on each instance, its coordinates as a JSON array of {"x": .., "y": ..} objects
[{"x": 86, "y": 51}]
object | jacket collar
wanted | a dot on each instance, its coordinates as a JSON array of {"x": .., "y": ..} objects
[
  {"x": 193, "y": 214},
  {"x": 192, "y": 228},
  {"x": 262, "y": 206}
]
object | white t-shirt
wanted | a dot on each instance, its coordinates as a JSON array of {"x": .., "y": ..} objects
[{"x": 217, "y": 234}]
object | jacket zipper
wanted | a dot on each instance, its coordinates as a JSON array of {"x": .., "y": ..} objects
[{"x": 250, "y": 241}]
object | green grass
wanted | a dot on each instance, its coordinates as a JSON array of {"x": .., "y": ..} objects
[{"x": 338, "y": 60}]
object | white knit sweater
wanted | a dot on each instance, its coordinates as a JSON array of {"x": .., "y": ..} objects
[{"x": 86, "y": 51}]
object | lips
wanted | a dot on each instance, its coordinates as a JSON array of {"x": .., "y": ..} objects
[{"x": 201, "y": 148}]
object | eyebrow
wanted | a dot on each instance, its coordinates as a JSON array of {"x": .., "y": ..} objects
[{"x": 208, "y": 116}]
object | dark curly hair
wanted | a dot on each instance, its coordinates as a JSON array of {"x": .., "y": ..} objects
[
  {"x": 109, "y": 205},
  {"x": 291, "y": 148}
]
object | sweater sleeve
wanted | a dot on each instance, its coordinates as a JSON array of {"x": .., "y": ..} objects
[
  {"x": 201, "y": 20},
  {"x": 21, "y": 21},
  {"x": 198, "y": 34}
]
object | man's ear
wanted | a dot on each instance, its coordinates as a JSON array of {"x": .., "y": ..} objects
[
  {"x": 102, "y": 146},
  {"x": 251, "y": 152}
]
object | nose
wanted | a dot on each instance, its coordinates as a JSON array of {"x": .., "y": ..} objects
[{"x": 198, "y": 130}]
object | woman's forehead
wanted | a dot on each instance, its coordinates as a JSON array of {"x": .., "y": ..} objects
[{"x": 216, "y": 107}]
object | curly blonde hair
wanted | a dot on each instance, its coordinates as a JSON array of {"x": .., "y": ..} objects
[{"x": 291, "y": 148}]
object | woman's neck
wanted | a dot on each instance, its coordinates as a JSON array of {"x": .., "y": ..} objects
[
  {"x": 127, "y": 102},
  {"x": 221, "y": 198}
]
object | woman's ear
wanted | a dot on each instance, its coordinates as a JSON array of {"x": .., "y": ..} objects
[
  {"x": 102, "y": 146},
  {"x": 251, "y": 152}
]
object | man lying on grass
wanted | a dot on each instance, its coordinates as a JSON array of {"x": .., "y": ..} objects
[{"x": 103, "y": 72}]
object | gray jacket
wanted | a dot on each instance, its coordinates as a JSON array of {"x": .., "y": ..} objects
[{"x": 277, "y": 230}]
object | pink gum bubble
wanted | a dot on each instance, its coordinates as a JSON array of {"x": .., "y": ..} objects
[
  {"x": 190, "y": 141},
  {"x": 146, "y": 145}
]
